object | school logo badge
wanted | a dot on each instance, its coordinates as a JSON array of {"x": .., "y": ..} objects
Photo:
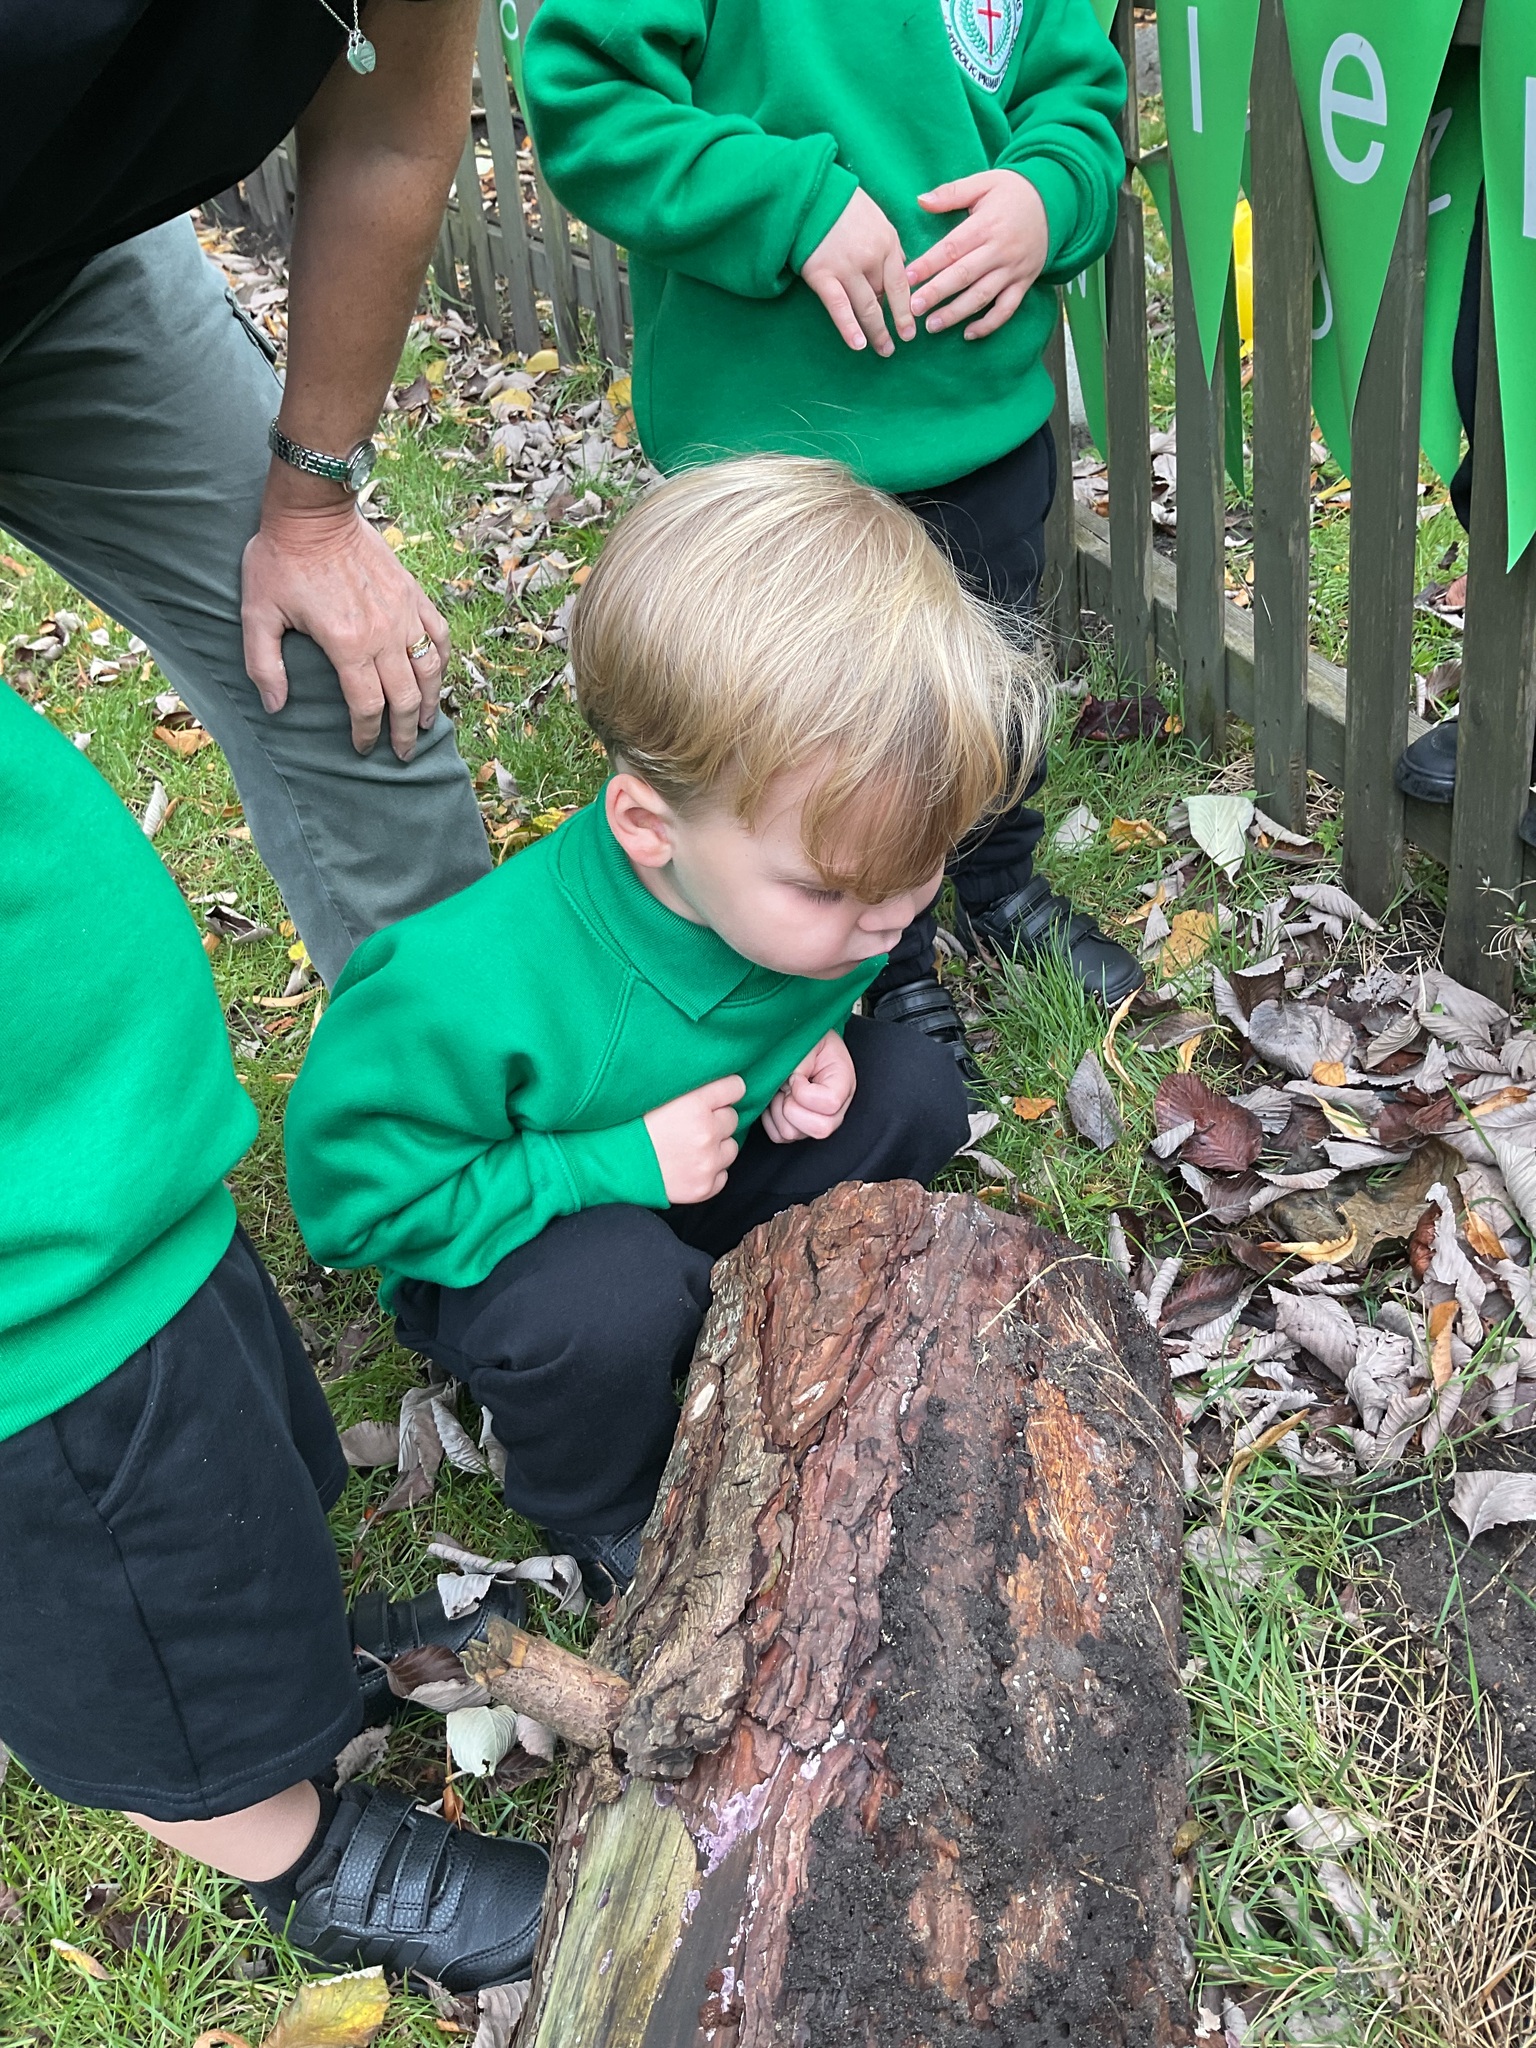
[{"x": 982, "y": 34}]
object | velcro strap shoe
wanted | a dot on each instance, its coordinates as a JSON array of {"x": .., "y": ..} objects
[
  {"x": 394, "y": 1888},
  {"x": 1034, "y": 921},
  {"x": 387, "y": 1628}
]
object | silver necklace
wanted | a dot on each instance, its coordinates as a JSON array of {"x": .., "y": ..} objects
[{"x": 361, "y": 54}]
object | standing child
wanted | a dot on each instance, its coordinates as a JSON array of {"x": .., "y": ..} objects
[
  {"x": 524, "y": 1104},
  {"x": 770, "y": 169},
  {"x": 175, "y": 1645}
]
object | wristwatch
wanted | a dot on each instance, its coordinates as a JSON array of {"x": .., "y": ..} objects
[{"x": 352, "y": 470}]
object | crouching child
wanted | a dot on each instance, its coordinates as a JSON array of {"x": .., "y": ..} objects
[{"x": 547, "y": 1105}]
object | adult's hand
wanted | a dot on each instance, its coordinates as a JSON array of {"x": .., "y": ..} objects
[{"x": 324, "y": 571}]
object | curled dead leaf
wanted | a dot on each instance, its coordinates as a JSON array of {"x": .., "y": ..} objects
[
  {"x": 1441, "y": 1317},
  {"x": 87, "y": 1965},
  {"x": 1329, "y": 1073},
  {"x": 1125, "y": 833},
  {"x": 1030, "y": 1108},
  {"x": 1317, "y": 1252},
  {"x": 1189, "y": 939}
]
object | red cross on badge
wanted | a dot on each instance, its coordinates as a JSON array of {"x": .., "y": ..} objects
[{"x": 989, "y": 13}]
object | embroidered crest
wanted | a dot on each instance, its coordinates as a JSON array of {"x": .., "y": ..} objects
[{"x": 982, "y": 34}]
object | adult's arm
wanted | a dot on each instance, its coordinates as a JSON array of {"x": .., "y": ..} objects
[
  {"x": 609, "y": 85},
  {"x": 376, "y": 157}
]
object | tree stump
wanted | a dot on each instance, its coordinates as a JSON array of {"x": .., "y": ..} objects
[{"x": 903, "y": 1746}]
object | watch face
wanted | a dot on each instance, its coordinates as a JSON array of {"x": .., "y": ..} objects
[{"x": 360, "y": 465}]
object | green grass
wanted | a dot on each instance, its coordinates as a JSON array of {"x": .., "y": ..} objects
[{"x": 1260, "y": 1671}]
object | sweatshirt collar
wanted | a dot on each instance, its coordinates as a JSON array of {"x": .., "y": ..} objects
[{"x": 687, "y": 963}]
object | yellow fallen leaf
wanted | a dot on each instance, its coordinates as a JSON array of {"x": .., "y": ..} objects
[
  {"x": 1185, "y": 1837},
  {"x": 1189, "y": 939},
  {"x": 334, "y": 2012},
  {"x": 395, "y": 535},
  {"x": 184, "y": 739},
  {"x": 512, "y": 400},
  {"x": 79, "y": 1960},
  {"x": 1125, "y": 832},
  {"x": 1111, "y": 1057},
  {"x": 1328, "y": 1074},
  {"x": 298, "y": 954},
  {"x": 1153, "y": 903},
  {"x": 1316, "y": 1251},
  {"x": 619, "y": 394},
  {"x": 546, "y": 821},
  {"x": 1030, "y": 1108},
  {"x": 1441, "y": 1317},
  {"x": 288, "y": 1002},
  {"x": 1246, "y": 1456},
  {"x": 1482, "y": 1237},
  {"x": 1187, "y": 1050},
  {"x": 436, "y": 370},
  {"x": 541, "y": 360}
]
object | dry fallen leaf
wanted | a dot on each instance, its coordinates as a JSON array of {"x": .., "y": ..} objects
[
  {"x": 1485, "y": 1500},
  {"x": 1227, "y": 1137},
  {"x": 333, "y": 2012},
  {"x": 1482, "y": 1237},
  {"x": 1441, "y": 1317},
  {"x": 1124, "y": 833},
  {"x": 1329, "y": 1074},
  {"x": 1219, "y": 825},
  {"x": 1091, "y": 1104},
  {"x": 77, "y": 1959},
  {"x": 1189, "y": 940},
  {"x": 186, "y": 740},
  {"x": 1030, "y": 1109},
  {"x": 1318, "y": 1252},
  {"x": 541, "y": 360},
  {"x": 1245, "y": 1457}
]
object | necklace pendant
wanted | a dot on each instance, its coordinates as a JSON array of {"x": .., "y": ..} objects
[{"x": 360, "y": 53}]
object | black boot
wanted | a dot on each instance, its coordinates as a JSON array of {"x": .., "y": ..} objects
[
  {"x": 1033, "y": 922},
  {"x": 1427, "y": 768},
  {"x": 387, "y": 1628},
  {"x": 390, "y": 1886},
  {"x": 607, "y": 1563},
  {"x": 926, "y": 1005}
]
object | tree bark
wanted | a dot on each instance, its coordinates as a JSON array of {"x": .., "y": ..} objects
[{"x": 903, "y": 1747}]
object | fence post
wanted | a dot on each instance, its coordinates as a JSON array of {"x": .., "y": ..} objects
[
  {"x": 1383, "y": 544},
  {"x": 1282, "y": 423},
  {"x": 1202, "y": 533},
  {"x": 1128, "y": 419},
  {"x": 1062, "y": 587},
  {"x": 477, "y": 242},
  {"x": 1498, "y": 703},
  {"x": 606, "y": 300},
  {"x": 501, "y": 132}
]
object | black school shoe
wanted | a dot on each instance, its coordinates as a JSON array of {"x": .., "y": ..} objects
[
  {"x": 1033, "y": 922},
  {"x": 926, "y": 1005},
  {"x": 390, "y": 1886},
  {"x": 1426, "y": 769},
  {"x": 387, "y": 1628},
  {"x": 608, "y": 1563}
]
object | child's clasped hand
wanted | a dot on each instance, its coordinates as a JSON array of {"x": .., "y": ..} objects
[
  {"x": 815, "y": 1098},
  {"x": 694, "y": 1137},
  {"x": 982, "y": 268}
]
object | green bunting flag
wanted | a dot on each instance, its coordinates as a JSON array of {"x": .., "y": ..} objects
[
  {"x": 1455, "y": 172},
  {"x": 512, "y": 45},
  {"x": 1509, "y": 160},
  {"x": 1086, "y": 318},
  {"x": 1366, "y": 71},
  {"x": 1206, "y": 47},
  {"x": 1329, "y": 405},
  {"x": 1105, "y": 10}
]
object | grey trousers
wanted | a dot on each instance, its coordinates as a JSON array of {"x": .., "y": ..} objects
[{"x": 133, "y": 422}]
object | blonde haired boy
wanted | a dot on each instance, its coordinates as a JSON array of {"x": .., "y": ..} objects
[{"x": 546, "y": 1106}]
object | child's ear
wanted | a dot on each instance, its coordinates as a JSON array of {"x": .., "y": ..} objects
[{"x": 642, "y": 822}]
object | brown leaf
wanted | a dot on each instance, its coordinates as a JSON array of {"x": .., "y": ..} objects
[
  {"x": 1207, "y": 1292},
  {"x": 88, "y": 1966},
  {"x": 1091, "y": 1104},
  {"x": 367, "y": 1444},
  {"x": 1485, "y": 1500},
  {"x": 1387, "y": 1213},
  {"x": 1483, "y": 1239},
  {"x": 432, "y": 1664},
  {"x": 1318, "y": 1251},
  {"x": 10, "y": 1906},
  {"x": 1030, "y": 1108},
  {"x": 1329, "y": 1074},
  {"x": 1421, "y": 1242},
  {"x": 186, "y": 741},
  {"x": 1441, "y": 1318},
  {"x": 1125, "y": 833},
  {"x": 1227, "y": 1139},
  {"x": 1404, "y": 1123},
  {"x": 1264, "y": 982},
  {"x": 144, "y": 1932},
  {"x": 1113, "y": 720},
  {"x": 1174, "y": 1029}
]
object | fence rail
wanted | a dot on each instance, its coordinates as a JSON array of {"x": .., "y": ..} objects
[{"x": 1347, "y": 725}]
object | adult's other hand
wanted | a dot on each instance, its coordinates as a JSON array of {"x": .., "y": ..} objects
[{"x": 324, "y": 571}]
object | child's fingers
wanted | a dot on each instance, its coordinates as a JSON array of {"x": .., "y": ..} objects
[
  {"x": 1003, "y": 308},
  {"x": 841, "y": 313},
  {"x": 898, "y": 295},
  {"x": 968, "y": 268},
  {"x": 866, "y": 308},
  {"x": 959, "y": 192},
  {"x": 976, "y": 300},
  {"x": 729, "y": 1088},
  {"x": 953, "y": 248}
]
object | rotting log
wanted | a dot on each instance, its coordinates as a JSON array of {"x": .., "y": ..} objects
[{"x": 903, "y": 1745}]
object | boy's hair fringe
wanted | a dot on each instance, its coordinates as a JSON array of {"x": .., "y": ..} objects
[{"x": 758, "y": 614}]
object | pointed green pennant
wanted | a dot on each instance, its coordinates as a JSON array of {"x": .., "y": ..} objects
[
  {"x": 1509, "y": 165},
  {"x": 1206, "y": 47},
  {"x": 1366, "y": 71},
  {"x": 1084, "y": 296},
  {"x": 1329, "y": 407},
  {"x": 1105, "y": 10},
  {"x": 512, "y": 44},
  {"x": 1232, "y": 368},
  {"x": 1455, "y": 172}
]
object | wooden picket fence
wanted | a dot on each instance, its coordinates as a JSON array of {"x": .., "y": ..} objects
[{"x": 1346, "y": 725}]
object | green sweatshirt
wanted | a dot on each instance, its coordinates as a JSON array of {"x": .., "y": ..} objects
[
  {"x": 718, "y": 141},
  {"x": 486, "y": 1065},
  {"x": 120, "y": 1113}
]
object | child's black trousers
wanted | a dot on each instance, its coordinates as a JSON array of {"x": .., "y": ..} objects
[
  {"x": 991, "y": 524},
  {"x": 575, "y": 1341}
]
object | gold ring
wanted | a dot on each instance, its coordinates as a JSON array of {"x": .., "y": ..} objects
[{"x": 420, "y": 647}]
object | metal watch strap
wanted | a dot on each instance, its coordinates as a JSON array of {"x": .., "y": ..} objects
[{"x": 336, "y": 469}]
